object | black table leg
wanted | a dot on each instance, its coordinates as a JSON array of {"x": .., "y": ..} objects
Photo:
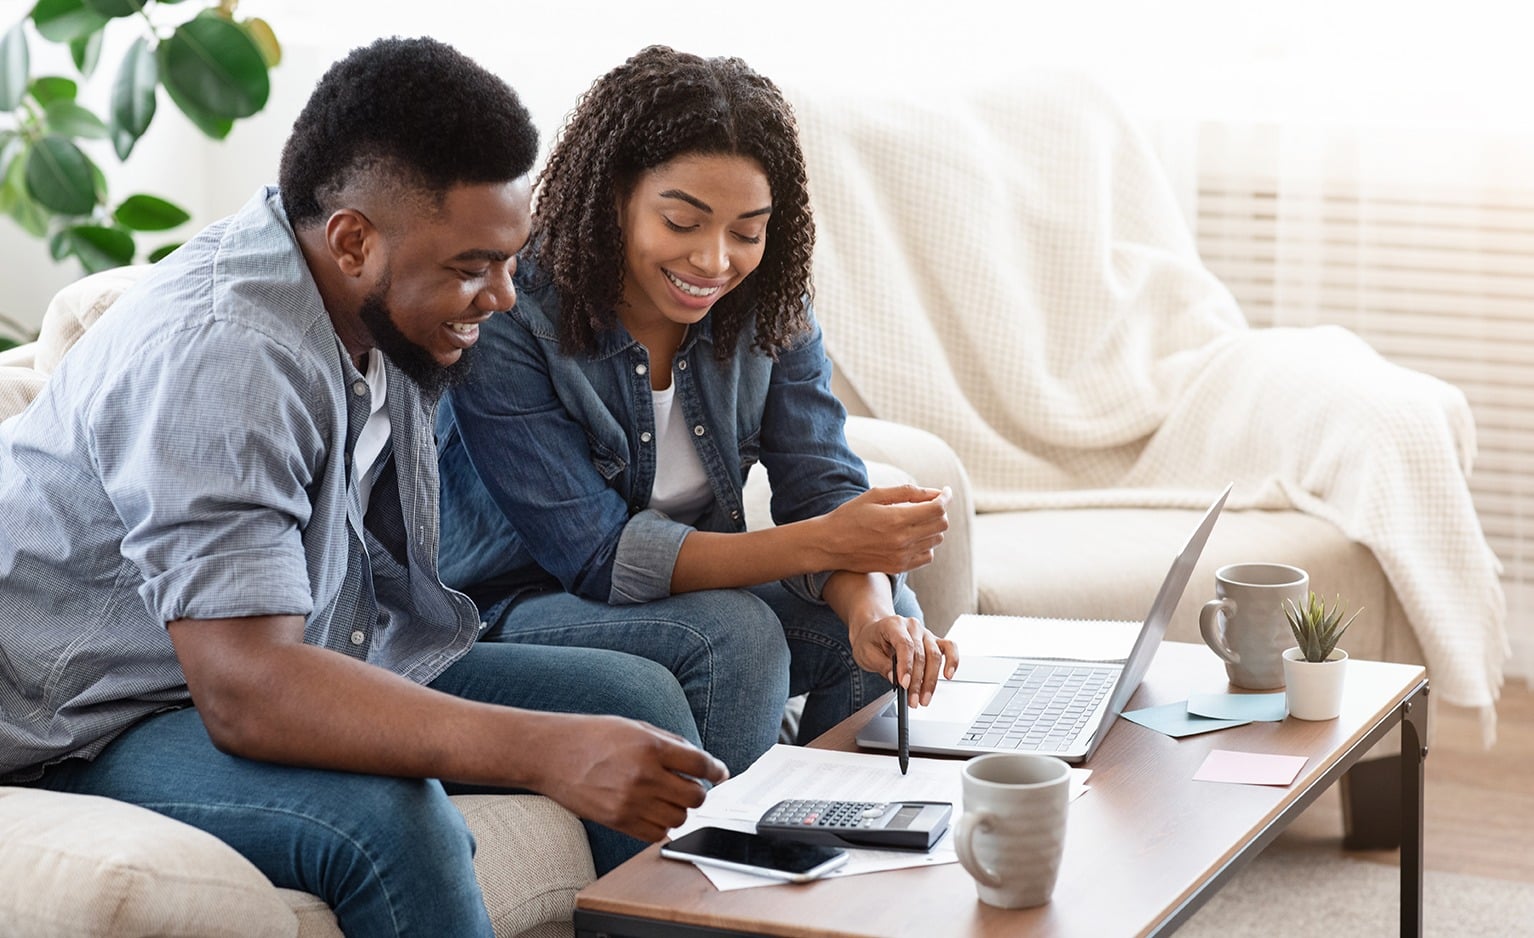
[{"x": 1413, "y": 760}]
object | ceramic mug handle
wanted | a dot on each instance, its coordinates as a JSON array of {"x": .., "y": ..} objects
[
  {"x": 971, "y": 823},
  {"x": 1212, "y": 627}
]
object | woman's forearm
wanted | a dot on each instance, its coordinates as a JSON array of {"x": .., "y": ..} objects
[
  {"x": 711, "y": 560},
  {"x": 884, "y": 530}
]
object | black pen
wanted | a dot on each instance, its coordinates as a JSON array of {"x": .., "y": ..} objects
[{"x": 902, "y": 715}]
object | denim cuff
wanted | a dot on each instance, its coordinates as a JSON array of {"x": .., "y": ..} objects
[
  {"x": 812, "y": 586},
  {"x": 646, "y": 557}
]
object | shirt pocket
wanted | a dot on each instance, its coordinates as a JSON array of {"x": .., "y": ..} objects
[
  {"x": 607, "y": 461},
  {"x": 750, "y": 451}
]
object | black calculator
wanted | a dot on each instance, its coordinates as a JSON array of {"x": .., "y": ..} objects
[{"x": 900, "y": 825}]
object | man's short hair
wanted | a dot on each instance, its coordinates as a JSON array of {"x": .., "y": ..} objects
[{"x": 413, "y": 114}]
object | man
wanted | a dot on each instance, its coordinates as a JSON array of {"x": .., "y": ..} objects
[{"x": 218, "y": 531}]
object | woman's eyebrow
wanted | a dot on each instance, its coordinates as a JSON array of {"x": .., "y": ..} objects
[{"x": 703, "y": 206}]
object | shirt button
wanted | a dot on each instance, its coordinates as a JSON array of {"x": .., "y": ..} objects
[
  {"x": 644, "y": 437},
  {"x": 698, "y": 430},
  {"x": 681, "y": 365},
  {"x": 734, "y": 516},
  {"x": 641, "y": 369},
  {"x": 359, "y": 388},
  {"x": 358, "y": 637}
]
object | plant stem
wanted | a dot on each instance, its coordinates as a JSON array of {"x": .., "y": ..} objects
[{"x": 20, "y": 331}]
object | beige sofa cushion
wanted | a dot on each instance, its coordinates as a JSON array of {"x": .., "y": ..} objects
[
  {"x": 81, "y": 866},
  {"x": 75, "y": 866},
  {"x": 1107, "y": 563},
  {"x": 531, "y": 858}
]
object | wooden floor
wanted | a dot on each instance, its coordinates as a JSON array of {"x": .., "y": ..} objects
[{"x": 1479, "y": 815}]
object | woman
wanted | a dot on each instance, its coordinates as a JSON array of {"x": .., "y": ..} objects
[{"x": 660, "y": 346}]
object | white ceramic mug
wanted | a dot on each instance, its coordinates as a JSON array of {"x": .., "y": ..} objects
[
  {"x": 1245, "y": 624},
  {"x": 1011, "y": 834}
]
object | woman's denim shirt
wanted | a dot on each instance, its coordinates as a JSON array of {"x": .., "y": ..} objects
[{"x": 547, "y": 460}]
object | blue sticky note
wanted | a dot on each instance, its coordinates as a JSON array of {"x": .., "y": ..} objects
[
  {"x": 1247, "y": 707},
  {"x": 1173, "y": 719}
]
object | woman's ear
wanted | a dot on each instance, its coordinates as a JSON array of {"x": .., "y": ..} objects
[{"x": 349, "y": 237}]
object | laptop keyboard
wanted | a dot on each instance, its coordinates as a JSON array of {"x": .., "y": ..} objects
[{"x": 1041, "y": 707}]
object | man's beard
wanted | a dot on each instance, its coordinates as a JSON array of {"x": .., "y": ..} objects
[{"x": 415, "y": 361}]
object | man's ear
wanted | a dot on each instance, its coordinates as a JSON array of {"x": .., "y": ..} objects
[{"x": 349, "y": 236}]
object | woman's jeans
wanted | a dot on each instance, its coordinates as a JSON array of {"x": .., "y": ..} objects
[
  {"x": 739, "y": 654},
  {"x": 391, "y": 856}
]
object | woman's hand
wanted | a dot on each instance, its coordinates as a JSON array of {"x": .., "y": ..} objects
[
  {"x": 920, "y": 656},
  {"x": 892, "y": 529}
]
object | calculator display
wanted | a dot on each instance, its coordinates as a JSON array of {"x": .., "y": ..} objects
[{"x": 905, "y": 816}]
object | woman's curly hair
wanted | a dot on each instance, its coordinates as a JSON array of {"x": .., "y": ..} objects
[{"x": 659, "y": 105}]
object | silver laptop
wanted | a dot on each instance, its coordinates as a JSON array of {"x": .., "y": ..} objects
[{"x": 1061, "y": 705}]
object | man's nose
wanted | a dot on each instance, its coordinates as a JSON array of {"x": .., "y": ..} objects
[{"x": 498, "y": 293}]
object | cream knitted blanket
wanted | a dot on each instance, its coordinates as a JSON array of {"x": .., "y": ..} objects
[{"x": 1009, "y": 270}]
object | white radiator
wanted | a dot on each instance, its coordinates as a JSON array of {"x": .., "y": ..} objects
[{"x": 1431, "y": 262}]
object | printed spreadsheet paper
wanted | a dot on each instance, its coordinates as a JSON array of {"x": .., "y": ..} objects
[{"x": 794, "y": 772}]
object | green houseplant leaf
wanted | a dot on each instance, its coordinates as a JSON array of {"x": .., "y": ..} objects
[
  {"x": 51, "y": 88},
  {"x": 15, "y": 64},
  {"x": 133, "y": 97},
  {"x": 112, "y": 9},
  {"x": 148, "y": 213},
  {"x": 14, "y": 199},
  {"x": 212, "y": 65},
  {"x": 214, "y": 69},
  {"x": 261, "y": 34},
  {"x": 97, "y": 247},
  {"x": 1316, "y": 628},
  {"x": 61, "y": 177},
  {"x": 65, "y": 20},
  {"x": 86, "y": 52},
  {"x": 70, "y": 119}
]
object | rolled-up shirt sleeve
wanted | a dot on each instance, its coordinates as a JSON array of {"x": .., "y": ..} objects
[
  {"x": 214, "y": 498},
  {"x": 646, "y": 557}
]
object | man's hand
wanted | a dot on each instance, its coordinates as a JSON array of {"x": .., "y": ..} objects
[
  {"x": 264, "y": 694},
  {"x": 892, "y": 529},
  {"x": 628, "y": 775}
]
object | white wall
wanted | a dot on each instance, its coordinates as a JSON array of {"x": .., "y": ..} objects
[{"x": 1342, "y": 59}]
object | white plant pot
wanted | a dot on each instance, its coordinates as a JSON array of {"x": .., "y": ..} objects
[{"x": 1313, "y": 689}]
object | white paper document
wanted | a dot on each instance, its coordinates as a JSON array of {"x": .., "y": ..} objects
[
  {"x": 1037, "y": 637},
  {"x": 794, "y": 772}
]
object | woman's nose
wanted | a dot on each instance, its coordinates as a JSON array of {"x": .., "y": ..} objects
[{"x": 711, "y": 256}]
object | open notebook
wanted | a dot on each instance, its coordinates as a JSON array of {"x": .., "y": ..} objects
[{"x": 1045, "y": 685}]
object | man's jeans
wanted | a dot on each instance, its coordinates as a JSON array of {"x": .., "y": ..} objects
[
  {"x": 738, "y": 654},
  {"x": 391, "y": 856}
]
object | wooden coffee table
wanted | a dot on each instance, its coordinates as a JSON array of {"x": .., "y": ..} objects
[{"x": 1145, "y": 848}]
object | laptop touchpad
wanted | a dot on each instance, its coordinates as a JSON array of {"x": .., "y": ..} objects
[{"x": 954, "y": 702}]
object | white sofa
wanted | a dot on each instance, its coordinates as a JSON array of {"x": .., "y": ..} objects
[{"x": 1005, "y": 265}]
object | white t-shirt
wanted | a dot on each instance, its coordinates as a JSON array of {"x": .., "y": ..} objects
[
  {"x": 375, "y": 433},
  {"x": 681, "y": 486}
]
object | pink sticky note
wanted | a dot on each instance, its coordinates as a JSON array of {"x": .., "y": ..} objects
[{"x": 1248, "y": 768}]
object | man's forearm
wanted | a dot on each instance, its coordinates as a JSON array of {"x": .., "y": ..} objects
[{"x": 263, "y": 694}]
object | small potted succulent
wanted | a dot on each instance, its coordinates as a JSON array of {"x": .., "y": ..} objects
[{"x": 1314, "y": 668}]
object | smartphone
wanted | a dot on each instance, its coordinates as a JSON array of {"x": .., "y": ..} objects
[{"x": 752, "y": 853}]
